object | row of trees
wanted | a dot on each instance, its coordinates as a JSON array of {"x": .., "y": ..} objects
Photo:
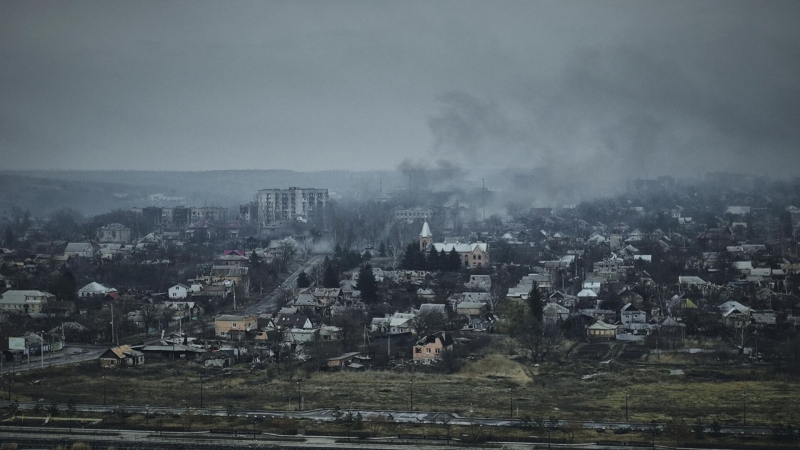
[{"x": 416, "y": 259}]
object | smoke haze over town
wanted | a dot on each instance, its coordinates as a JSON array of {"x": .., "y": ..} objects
[{"x": 598, "y": 91}]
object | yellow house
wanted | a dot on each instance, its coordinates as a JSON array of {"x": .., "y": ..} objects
[
  {"x": 601, "y": 330},
  {"x": 224, "y": 324}
]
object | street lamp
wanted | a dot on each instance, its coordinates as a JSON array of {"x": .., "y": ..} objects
[
  {"x": 201, "y": 388},
  {"x": 104, "y": 390},
  {"x": 411, "y": 391},
  {"x": 626, "y": 404},
  {"x": 744, "y": 406},
  {"x": 299, "y": 405},
  {"x": 511, "y": 395}
]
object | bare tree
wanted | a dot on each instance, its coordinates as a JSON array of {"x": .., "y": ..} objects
[
  {"x": 287, "y": 251},
  {"x": 538, "y": 338},
  {"x": 377, "y": 424},
  {"x": 316, "y": 274},
  {"x": 149, "y": 314},
  {"x": 427, "y": 322}
]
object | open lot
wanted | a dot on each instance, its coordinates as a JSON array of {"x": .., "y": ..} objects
[{"x": 483, "y": 387}]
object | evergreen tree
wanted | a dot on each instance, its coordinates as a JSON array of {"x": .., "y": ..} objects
[
  {"x": 65, "y": 286},
  {"x": 444, "y": 263},
  {"x": 411, "y": 257},
  {"x": 303, "y": 281},
  {"x": 433, "y": 259},
  {"x": 337, "y": 251},
  {"x": 366, "y": 256},
  {"x": 454, "y": 260},
  {"x": 382, "y": 250},
  {"x": 367, "y": 284},
  {"x": 331, "y": 277},
  {"x": 254, "y": 260},
  {"x": 535, "y": 302}
]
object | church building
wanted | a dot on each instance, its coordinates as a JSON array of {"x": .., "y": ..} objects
[{"x": 474, "y": 254}]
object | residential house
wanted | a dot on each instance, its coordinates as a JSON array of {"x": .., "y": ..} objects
[
  {"x": 121, "y": 356},
  {"x": 401, "y": 323},
  {"x": 307, "y": 303},
  {"x": 326, "y": 297},
  {"x": 433, "y": 346},
  {"x": 601, "y": 330},
  {"x": 628, "y": 295},
  {"x": 79, "y": 250},
  {"x": 178, "y": 291},
  {"x": 735, "y": 315},
  {"x": 633, "y": 318},
  {"x": 94, "y": 289},
  {"x": 426, "y": 294},
  {"x": 671, "y": 329},
  {"x": 176, "y": 351},
  {"x": 227, "y": 323},
  {"x": 594, "y": 284},
  {"x": 342, "y": 361},
  {"x": 24, "y": 302},
  {"x": 480, "y": 283},
  {"x": 553, "y": 312}
]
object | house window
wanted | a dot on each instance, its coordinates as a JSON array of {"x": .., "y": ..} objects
[
  {"x": 233, "y": 325},
  {"x": 438, "y": 350},
  {"x": 417, "y": 350},
  {"x": 427, "y": 350}
]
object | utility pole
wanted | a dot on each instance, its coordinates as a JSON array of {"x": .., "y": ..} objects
[
  {"x": 201, "y": 389},
  {"x": 511, "y": 395},
  {"x": 744, "y": 406},
  {"x": 41, "y": 349},
  {"x": 626, "y": 404},
  {"x": 299, "y": 405},
  {"x": 112, "y": 323},
  {"x": 483, "y": 194},
  {"x": 412, "y": 393}
]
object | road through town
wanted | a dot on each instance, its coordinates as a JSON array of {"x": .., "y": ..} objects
[{"x": 270, "y": 303}]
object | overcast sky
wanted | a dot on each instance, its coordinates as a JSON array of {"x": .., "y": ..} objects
[{"x": 647, "y": 87}]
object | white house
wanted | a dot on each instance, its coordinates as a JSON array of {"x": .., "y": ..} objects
[
  {"x": 633, "y": 318},
  {"x": 178, "y": 291},
  {"x": 594, "y": 283},
  {"x": 79, "y": 250},
  {"x": 94, "y": 289}
]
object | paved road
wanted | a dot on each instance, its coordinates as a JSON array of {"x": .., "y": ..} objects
[
  {"x": 70, "y": 355},
  {"x": 270, "y": 303},
  {"x": 328, "y": 415}
]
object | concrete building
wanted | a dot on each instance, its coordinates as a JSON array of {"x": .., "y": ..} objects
[
  {"x": 282, "y": 204},
  {"x": 413, "y": 214},
  {"x": 114, "y": 233}
]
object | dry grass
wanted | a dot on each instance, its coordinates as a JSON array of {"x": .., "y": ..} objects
[
  {"x": 497, "y": 367},
  {"x": 480, "y": 389}
]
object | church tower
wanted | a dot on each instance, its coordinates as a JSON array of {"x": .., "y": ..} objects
[{"x": 425, "y": 238}]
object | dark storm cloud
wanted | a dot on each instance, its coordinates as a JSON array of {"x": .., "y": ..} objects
[{"x": 597, "y": 91}]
